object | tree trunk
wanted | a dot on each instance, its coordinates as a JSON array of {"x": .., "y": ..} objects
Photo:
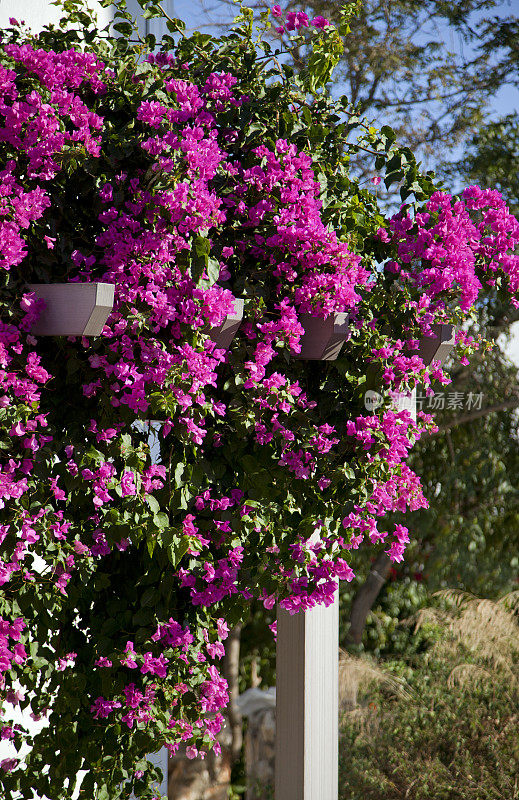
[
  {"x": 231, "y": 671},
  {"x": 365, "y": 598},
  {"x": 255, "y": 679}
]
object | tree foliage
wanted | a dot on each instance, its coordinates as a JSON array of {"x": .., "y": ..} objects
[
  {"x": 428, "y": 69},
  {"x": 490, "y": 158}
]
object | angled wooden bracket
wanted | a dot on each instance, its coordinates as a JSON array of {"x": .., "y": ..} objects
[
  {"x": 437, "y": 347},
  {"x": 323, "y": 338},
  {"x": 73, "y": 309},
  {"x": 432, "y": 348},
  {"x": 223, "y": 334}
]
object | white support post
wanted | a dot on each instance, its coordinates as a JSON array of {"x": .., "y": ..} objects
[
  {"x": 307, "y": 704},
  {"x": 404, "y": 401}
]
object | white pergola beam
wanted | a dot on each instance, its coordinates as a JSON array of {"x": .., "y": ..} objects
[{"x": 307, "y": 704}]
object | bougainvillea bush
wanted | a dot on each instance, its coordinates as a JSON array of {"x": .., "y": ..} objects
[{"x": 188, "y": 173}]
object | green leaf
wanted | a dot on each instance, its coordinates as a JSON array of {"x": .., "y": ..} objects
[
  {"x": 199, "y": 256},
  {"x": 161, "y": 520},
  {"x": 213, "y": 270},
  {"x": 178, "y": 550},
  {"x": 149, "y": 597},
  {"x": 179, "y": 471},
  {"x": 123, "y": 27},
  {"x": 153, "y": 503}
]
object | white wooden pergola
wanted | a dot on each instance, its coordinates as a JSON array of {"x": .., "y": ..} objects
[{"x": 307, "y": 703}]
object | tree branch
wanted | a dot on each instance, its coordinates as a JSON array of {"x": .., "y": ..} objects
[
  {"x": 231, "y": 670},
  {"x": 481, "y": 412},
  {"x": 365, "y": 598}
]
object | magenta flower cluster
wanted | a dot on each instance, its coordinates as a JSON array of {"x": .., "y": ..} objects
[
  {"x": 452, "y": 246},
  {"x": 176, "y": 235},
  {"x": 294, "y": 21}
]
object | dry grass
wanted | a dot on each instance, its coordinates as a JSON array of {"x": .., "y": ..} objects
[
  {"x": 487, "y": 629},
  {"x": 455, "y": 733},
  {"x": 356, "y": 675}
]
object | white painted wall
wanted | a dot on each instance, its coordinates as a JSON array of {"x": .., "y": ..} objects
[
  {"x": 38, "y": 13},
  {"x": 160, "y": 760},
  {"x": 512, "y": 348}
]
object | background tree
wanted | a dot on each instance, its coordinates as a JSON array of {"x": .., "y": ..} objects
[
  {"x": 430, "y": 70},
  {"x": 491, "y": 158}
]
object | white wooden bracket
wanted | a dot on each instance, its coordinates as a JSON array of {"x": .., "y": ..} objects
[
  {"x": 73, "y": 309},
  {"x": 307, "y": 704},
  {"x": 432, "y": 348},
  {"x": 323, "y": 337},
  {"x": 223, "y": 334},
  {"x": 437, "y": 347}
]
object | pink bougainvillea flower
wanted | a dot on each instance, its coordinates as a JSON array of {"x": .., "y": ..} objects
[{"x": 320, "y": 22}]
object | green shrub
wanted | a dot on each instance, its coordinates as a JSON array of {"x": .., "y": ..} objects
[{"x": 454, "y": 734}]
